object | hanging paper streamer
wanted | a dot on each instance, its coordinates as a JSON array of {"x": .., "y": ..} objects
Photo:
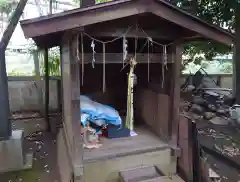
[
  {"x": 104, "y": 67},
  {"x": 82, "y": 51},
  {"x": 163, "y": 75},
  {"x": 125, "y": 52},
  {"x": 148, "y": 42},
  {"x": 165, "y": 56},
  {"x": 77, "y": 47},
  {"x": 164, "y": 64},
  {"x": 93, "y": 51}
]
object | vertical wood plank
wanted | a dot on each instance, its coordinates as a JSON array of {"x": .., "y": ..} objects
[
  {"x": 75, "y": 108},
  {"x": 71, "y": 102},
  {"x": 66, "y": 90},
  {"x": 185, "y": 142}
]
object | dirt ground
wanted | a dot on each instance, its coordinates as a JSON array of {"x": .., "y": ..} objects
[
  {"x": 43, "y": 146},
  {"x": 225, "y": 139}
]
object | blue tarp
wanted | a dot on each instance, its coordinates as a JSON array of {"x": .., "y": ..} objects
[{"x": 98, "y": 113}]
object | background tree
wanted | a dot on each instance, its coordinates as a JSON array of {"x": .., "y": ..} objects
[{"x": 218, "y": 12}]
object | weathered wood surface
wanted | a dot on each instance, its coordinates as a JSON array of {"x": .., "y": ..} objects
[
  {"x": 153, "y": 108},
  {"x": 173, "y": 123},
  {"x": 185, "y": 161},
  {"x": 64, "y": 160},
  {"x": 71, "y": 106},
  {"x": 119, "y": 147}
]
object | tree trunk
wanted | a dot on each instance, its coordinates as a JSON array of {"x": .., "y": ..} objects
[
  {"x": 5, "y": 124},
  {"x": 12, "y": 24}
]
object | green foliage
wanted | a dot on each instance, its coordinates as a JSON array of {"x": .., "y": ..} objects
[
  {"x": 7, "y": 6},
  {"x": 54, "y": 62},
  {"x": 218, "y": 12},
  {"x": 226, "y": 67},
  {"x": 102, "y": 1}
]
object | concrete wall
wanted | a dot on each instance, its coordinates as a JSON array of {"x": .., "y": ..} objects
[
  {"x": 23, "y": 94},
  {"x": 23, "y": 91},
  {"x": 225, "y": 80}
]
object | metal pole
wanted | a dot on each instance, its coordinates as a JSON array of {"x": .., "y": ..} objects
[{"x": 5, "y": 124}]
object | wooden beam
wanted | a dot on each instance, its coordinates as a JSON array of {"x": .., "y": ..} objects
[
  {"x": 118, "y": 58},
  {"x": 117, "y": 32}
]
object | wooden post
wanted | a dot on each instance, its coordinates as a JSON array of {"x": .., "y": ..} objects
[
  {"x": 71, "y": 103},
  {"x": 46, "y": 114},
  {"x": 5, "y": 124},
  {"x": 87, "y": 3},
  {"x": 38, "y": 81},
  {"x": 50, "y": 6},
  {"x": 175, "y": 94}
]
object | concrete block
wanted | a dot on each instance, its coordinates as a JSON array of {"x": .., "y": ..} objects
[{"x": 12, "y": 155}]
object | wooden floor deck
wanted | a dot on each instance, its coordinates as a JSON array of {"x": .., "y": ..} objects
[{"x": 144, "y": 142}]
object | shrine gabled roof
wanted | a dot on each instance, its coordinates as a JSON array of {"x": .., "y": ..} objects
[{"x": 56, "y": 24}]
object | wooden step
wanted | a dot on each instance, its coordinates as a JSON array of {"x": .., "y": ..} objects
[{"x": 146, "y": 174}]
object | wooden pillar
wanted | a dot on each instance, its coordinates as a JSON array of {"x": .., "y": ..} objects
[
  {"x": 71, "y": 102},
  {"x": 87, "y": 3},
  {"x": 38, "y": 81},
  {"x": 175, "y": 94},
  {"x": 46, "y": 113}
]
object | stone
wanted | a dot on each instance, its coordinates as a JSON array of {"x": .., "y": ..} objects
[
  {"x": 209, "y": 115},
  {"x": 197, "y": 109},
  {"x": 12, "y": 155},
  {"x": 219, "y": 121},
  {"x": 198, "y": 100}
]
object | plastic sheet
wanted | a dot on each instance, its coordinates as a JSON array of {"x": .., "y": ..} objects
[{"x": 98, "y": 112}]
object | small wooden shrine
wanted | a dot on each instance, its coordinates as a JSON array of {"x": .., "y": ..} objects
[{"x": 96, "y": 46}]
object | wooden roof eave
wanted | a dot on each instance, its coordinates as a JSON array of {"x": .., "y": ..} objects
[{"x": 61, "y": 22}]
